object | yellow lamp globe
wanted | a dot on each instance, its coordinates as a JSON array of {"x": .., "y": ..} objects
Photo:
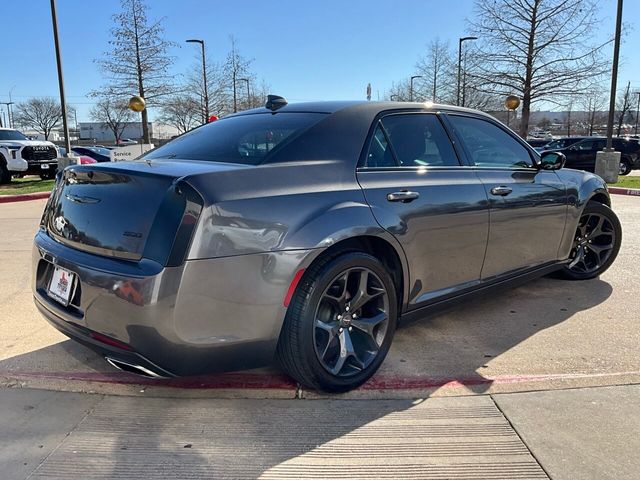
[
  {"x": 512, "y": 102},
  {"x": 136, "y": 103}
]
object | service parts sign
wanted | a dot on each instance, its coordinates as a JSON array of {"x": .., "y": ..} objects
[{"x": 130, "y": 152}]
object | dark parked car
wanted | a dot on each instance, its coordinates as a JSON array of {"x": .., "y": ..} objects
[
  {"x": 582, "y": 155},
  {"x": 559, "y": 143},
  {"x": 538, "y": 143},
  {"x": 99, "y": 154},
  {"x": 307, "y": 232}
]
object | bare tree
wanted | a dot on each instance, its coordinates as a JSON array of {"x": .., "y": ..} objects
[
  {"x": 536, "y": 49},
  {"x": 114, "y": 115},
  {"x": 623, "y": 108},
  {"x": 236, "y": 66},
  {"x": 181, "y": 111},
  {"x": 593, "y": 102},
  {"x": 399, "y": 91},
  {"x": 137, "y": 61},
  {"x": 436, "y": 68},
  {"x": 41, "y": 114}
]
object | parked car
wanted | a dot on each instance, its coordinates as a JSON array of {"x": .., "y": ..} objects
[
  {"x": 21, "y": 156},
  {"x": 97, "y": 153},
  {"x": 83, "y": 159},
  {"x": 582, "y": 155},
  {"x": 346, "y": 219},
  {"x": 537, "y": 143},
  {"x": 562, "y": 142}
]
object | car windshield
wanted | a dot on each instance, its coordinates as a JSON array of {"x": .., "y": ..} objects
[
  {"x": 11, "y": 135},
  {"x": 244, "y": 139}
]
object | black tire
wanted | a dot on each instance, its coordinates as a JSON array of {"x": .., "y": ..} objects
[
  {"x": 612, "y": 231},
  {"x": 297, "y": 351},
  {"x": 5, "y": 175},
  {"x": 625, "y": 167}
]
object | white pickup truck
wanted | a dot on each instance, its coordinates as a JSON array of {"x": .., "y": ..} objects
[{"x": 19, "y": 155}]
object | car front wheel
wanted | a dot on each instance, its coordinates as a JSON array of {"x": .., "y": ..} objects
[
  {"x": 625, "y": 168},
  {"x": 596, "y": 243},
  {"x": 340, "y": 323},
  {"x": 5, "y": 175}
]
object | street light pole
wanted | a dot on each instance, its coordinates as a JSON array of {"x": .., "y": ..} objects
[
  {"x": 614, "y": 78},
  {"x": 63, "y": 103},
  {"x": 411, "y": 86},
  {"x": 248, "y": 92},
  {"x": 204, "y": 78},
  {"x": 460, "y": 41}
]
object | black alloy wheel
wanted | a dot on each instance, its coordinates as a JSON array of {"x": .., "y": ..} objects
[
  {"x": 351, "y": 321},
  {"x": 596, "y": 242},
  {"x": 340, "y": 322}
]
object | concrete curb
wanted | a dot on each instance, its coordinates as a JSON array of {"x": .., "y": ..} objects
[
  {"x": 624, "y": 191},
  {"x": 24, "y": 197}
]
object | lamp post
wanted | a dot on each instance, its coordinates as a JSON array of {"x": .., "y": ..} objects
[
  {"x": 204, "y": 78},
  {"x": 63, "y": 103},
  {"x": 411, "y": 86},
  {"x": 460, "y": 41},
  {"x": 248, "y": 92},
  {"x": 511, "y": 103}
]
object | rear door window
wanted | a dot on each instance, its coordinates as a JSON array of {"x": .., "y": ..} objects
[{"x": 419, "y": 140}]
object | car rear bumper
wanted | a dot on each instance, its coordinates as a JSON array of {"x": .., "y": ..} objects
[{"x": 201, "y": 317}]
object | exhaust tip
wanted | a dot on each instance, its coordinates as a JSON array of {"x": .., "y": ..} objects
[{"x": 131, "y": 368}]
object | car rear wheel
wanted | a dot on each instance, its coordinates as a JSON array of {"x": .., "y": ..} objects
[
  {"x": 340, "y": 323},
  {"x": 596, "y": 243},
  {"x": 625, "y": 168}
]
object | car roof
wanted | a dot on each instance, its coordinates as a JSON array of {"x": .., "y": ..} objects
[{"x": 362, "y": 105}]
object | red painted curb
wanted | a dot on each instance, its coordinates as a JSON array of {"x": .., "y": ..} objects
[
  {"x": 269, "y": 381},
  {"x": 624, "y": 191},
  {"x": 24, "y": 197}
]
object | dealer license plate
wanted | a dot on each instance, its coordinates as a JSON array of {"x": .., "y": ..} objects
[{"x": 61, "y": 285}]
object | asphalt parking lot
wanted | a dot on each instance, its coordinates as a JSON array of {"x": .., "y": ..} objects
[{"x": 547, "y": 334}]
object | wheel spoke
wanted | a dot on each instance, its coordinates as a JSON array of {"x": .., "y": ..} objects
[
  {"x": 339, "y": 298},
  {"x": 362, "y": 296},
  {"x": 346, "y": 351},
  {"x": 368, "y": 325},
  {"x": 597, "y": 230},
  {"x": 579, "y": 257}
]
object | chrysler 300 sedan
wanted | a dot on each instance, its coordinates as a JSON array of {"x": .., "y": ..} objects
[{"x": 306, "y": 233}]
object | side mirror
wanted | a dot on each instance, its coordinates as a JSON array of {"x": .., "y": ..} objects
[{"x": 552, "y": 160}]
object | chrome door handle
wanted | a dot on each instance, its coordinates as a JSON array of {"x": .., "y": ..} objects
[
  {"x": 501, "y": 191},
  {"x": 403, "y": 196}
]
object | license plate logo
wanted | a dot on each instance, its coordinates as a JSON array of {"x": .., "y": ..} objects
[
  {"x": 61, "y": 285},
  {"x": 44, "y": 166}
]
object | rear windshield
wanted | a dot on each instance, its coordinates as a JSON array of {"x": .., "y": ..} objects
[
  {"x": 11, "y": 135},
  {"x": 245, "y": 139}
]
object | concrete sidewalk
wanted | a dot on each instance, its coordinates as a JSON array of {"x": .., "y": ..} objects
[{"x": 562, "y": 434}]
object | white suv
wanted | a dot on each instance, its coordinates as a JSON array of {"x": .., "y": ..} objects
[{"x": 18, "y": 154}]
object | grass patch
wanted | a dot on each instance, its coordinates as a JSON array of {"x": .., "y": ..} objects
[
  {"x": 627, "y": 182},
  {"x": 18, "y": 186}
]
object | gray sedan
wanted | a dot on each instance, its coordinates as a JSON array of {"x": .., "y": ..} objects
[{"x": 307, "y": 233}]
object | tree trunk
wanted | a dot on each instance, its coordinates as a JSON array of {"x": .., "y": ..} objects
[{"x": 526, "y": 91}]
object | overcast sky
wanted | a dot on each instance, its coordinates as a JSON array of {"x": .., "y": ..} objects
[{"x": 305, "y": 49}]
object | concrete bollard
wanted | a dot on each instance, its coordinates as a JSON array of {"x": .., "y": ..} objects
[{"x": 608, "y": 165}]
